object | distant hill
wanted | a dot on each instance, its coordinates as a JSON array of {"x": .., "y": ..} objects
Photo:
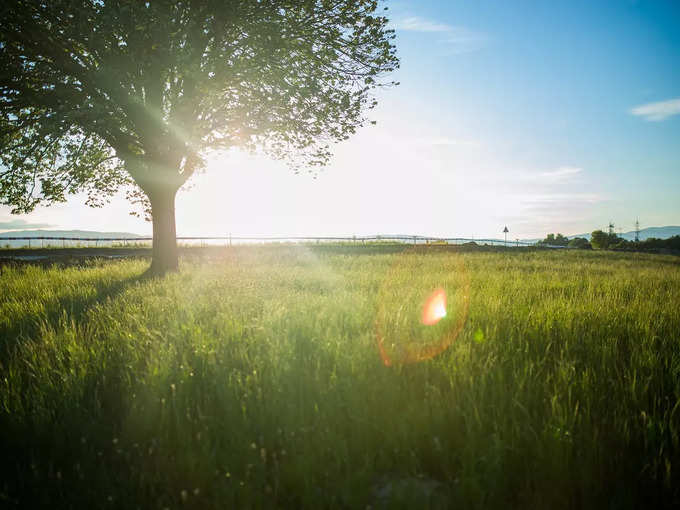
[
  {"x": 68, "y": 233},
  {"x": 7, "y": 243},
  {"x": 658, "y": 232}
]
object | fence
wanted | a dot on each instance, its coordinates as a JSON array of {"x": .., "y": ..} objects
[{"x": 70, "y": 242}]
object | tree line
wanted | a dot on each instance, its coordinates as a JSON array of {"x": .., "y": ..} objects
[{"x": 600, "y": 240}]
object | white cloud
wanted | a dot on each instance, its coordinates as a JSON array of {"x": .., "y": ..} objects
[
  {"x": 562, "y": 173},
  {"x": 658, "y": 111},
  {"x": 418, "y": 24},
  {"x": 18, "y": 224},
  {"x": 449, "y": 142},
  {"x": 457, "y": 39},
  {"x": 558, "y": 199},
  {"x": 546, "y": 179},
  {"x": 547, "y": 202}
]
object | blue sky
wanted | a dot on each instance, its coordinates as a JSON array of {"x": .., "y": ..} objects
[
  {"x": 545, "y": 116},
  {"x": 552, "y": 84}
]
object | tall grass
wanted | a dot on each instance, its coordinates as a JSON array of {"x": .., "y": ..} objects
[{"x": 254, "y": 380}]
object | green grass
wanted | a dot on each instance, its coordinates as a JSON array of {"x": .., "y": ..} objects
[{"x": 253, "y": 380}]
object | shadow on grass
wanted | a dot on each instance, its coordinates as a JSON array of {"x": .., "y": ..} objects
[
  {"x": 51, "y": 446},
  {"x": 73, "y": 308}
]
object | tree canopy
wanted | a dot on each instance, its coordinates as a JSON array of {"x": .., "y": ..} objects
[
  {"x": 555, "y": 240},
  {"x": 580, "y": 242},
  {"x": 602, "y": 240},
  {"x": 99, "y": 94}
]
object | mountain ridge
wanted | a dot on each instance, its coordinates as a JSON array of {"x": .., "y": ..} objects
[
  {"x": 645, "y": 233},
  {"x": 68, "y": 233}
]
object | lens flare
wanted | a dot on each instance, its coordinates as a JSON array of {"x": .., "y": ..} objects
[
  {"x": 409, "y": 329},
  {"x": 434, "y": 309}
]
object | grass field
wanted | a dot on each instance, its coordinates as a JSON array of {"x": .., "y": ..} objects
[{"x": 254, "y": 380}]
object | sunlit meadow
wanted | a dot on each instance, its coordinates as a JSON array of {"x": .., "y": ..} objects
[{"x": 253, "y": 378}]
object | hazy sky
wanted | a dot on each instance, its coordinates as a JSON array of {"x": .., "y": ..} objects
[{"x": 542, "y": 116}]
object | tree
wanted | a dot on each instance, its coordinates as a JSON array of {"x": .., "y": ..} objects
[
  {"x": 599, "y": 240},
  {"x": 553, "y": 240},
  {"x": 621, "y": 244},
  {"x": 580, "y": 243},
  {"x": 97, "y": 95},
  {"x": 604, "y": 240},
  {"x": 561, "y": 240}
]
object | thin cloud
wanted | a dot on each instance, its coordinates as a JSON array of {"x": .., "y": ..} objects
[
  {"x": 21, "y": 224},
  {"x": 562, "y": 173},
  {"x": 547, "y": 201},
  {"x": 658, "y": 111},
  {"x": 456, "y": 39},
  {"x": 554, "y": 200},
  {"x": 451, "y": 142},
  {"x": 543, "y": 213},
  {"x": 418, "y": 24},
  {"x": 463, "y": 40},
  {"x": 549, "y": 178}
]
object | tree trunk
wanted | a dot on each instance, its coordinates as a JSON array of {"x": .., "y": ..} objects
[{"x": 164, "y": 234}]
